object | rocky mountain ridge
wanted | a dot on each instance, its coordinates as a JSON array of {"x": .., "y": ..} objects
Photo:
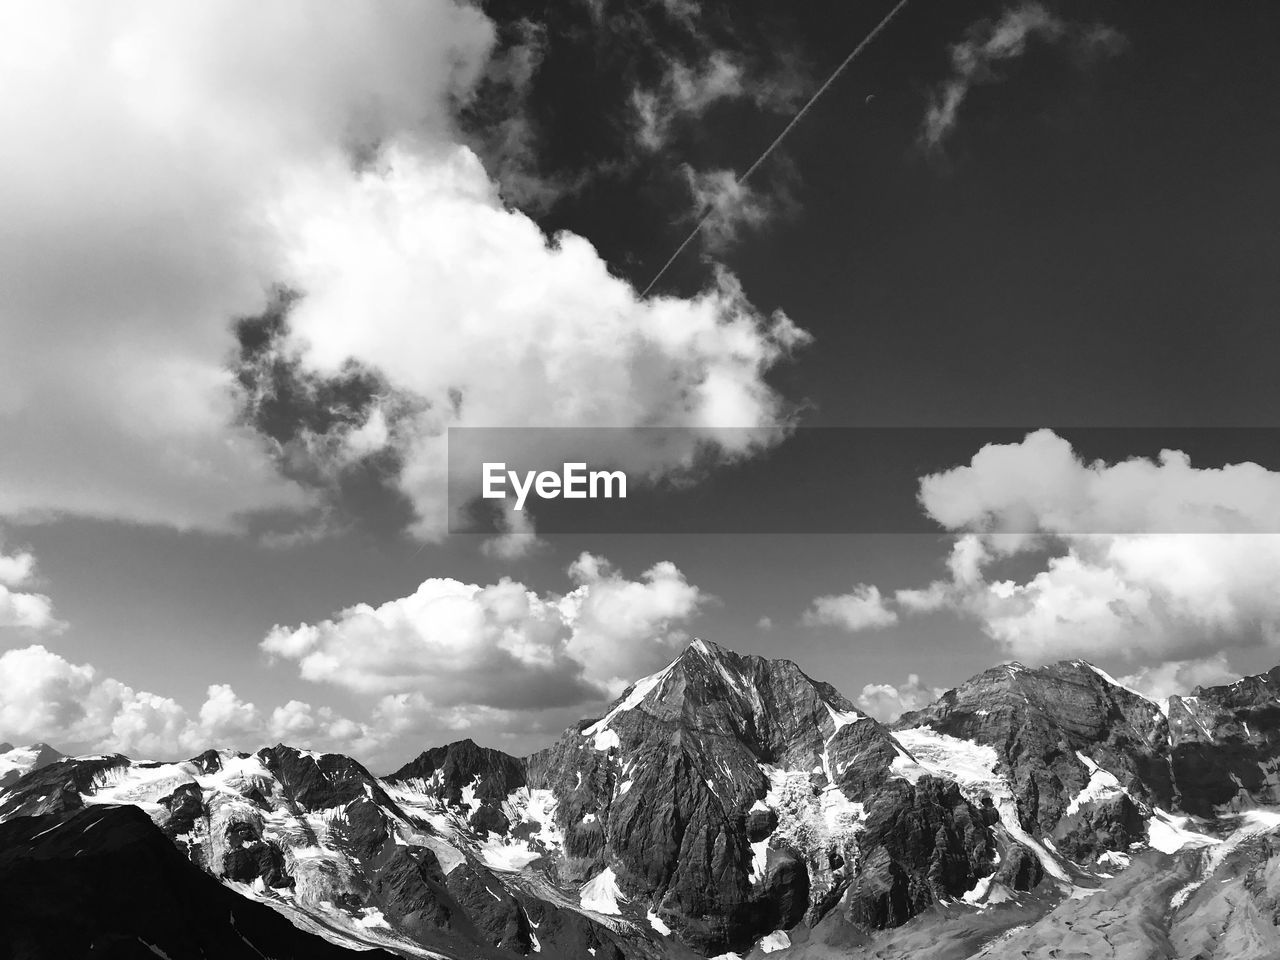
[{"x": 730, "y": 805}]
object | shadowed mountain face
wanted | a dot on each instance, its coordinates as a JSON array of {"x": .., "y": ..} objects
[
  {"x": 677, "y": 789},
  {"x": 103, "y": 881},
  {"x": 724, "y": 803}
]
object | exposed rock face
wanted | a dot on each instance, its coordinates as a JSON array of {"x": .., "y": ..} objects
[
  {"x": 1112, "y": 824},
  {"x": 669, "y": 792},
  {"x": 461, "y": 766},
  {"x": 922, "y": 843},
  {"x": 57, "y": 787},
  {"x": 321, "y": 840},
  {"x": 103, "y": 881},
  {"x": 1020, "y": 870},
  {"x": 474, "y": 777},
  {"x": 1226, "y": 744},
  {"x": 1218, "y": 749},
  {"x": 728, "y": 803},
  {"x": 1040, "y": 720}
]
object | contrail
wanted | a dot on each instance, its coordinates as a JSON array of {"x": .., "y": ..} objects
[{"x": 875, "y": 31}]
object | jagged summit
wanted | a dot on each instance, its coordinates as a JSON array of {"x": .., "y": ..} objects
[
  {"x": 712, "y": 687},
  {"x": 16, "y": 762},
  {"x": 724, "y": 804},
  {"x": 464, "y": 765}
]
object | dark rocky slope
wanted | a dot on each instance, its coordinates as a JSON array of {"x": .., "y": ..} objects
[
  {"x": 733, "y": 803},
  {"x": 105, "y": 882},
  {"x": 1040, "y": 720},
  {"x": 668, "y": 792}
]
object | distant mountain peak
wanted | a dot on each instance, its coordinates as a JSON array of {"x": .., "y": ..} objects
[{"x": 15, "y": 762}]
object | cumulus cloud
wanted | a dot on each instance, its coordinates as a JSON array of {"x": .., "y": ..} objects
[
  {"x": 542, "y": 335},
  {"x": 1181, "y": 676},
  {"x": 886, "y": 702},
  {"x": 179, "y": 164},
  {"x": 135, "y": 191},
  {"x": 1040, "y": 485},
  {"x": 43, "y": 696},
  {"x": 990, "y": 42},
  {"x": 863, "y": 608},
  {"x": 1192, "y": 567},
  {"x": 465, "y": 648},
  {"x": 19, "y": 605}
]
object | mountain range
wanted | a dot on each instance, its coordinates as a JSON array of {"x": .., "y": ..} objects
[{"x": 725, "y": 806}]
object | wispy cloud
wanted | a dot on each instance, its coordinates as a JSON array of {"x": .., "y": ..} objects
[
  {"x": 733, "y": 208},
  {"x": 686, "y": 92},
  {"x": 990, "y": 42}
]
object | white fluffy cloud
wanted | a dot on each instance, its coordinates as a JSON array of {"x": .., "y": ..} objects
[
  {"x": 179, "y": 160},
  {"x": 1181, "y": 676},
  {"x": 1040, "y": 485},
  {"x": 863, "y": 608},
  {"x": 462, "y": 647},
  {"x": 1145, "y": 559},
  {"x": 990, "y": 42},
  {"x": 45, "y": 697},
  {"x": 20, "y": 606},
  {"x": 147, "y": 144},
  {"x": 466, "y": 306},
  {"x": 886, "y": 702}
]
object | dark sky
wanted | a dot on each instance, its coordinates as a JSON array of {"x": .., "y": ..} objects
[{"x": 1095, "y": 244}]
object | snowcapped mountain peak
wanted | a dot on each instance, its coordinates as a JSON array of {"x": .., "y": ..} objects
[
  {"x": 16, "y": 762},
  {"x": 718, "y": 801},
  {"x": 702, "y": 646}
]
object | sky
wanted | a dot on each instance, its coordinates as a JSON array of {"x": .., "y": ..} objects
[{"x": 258, "y": 260}]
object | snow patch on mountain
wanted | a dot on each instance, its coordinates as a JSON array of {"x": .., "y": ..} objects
[
  {"x": 1170, "y": 833},
  {"x": 759, "y": 860},
  {"x": 778, "y": 940},
  {"x": 1101, "y": 786},
  {"x": 607, "y": 740},
  {"x": 973, "y": 768},
  {"x": 1250, "y": 824},
  {"x": 969, "y": 764},
  {"x": 639, "y": 691},
  {"x": 1114, "y": 682},
  {"x": 842, "y": 718},
  {"x": 16, "y": 762},
  {"x": 601, "y": 894},
  {"x": 805, "y": 820}
]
